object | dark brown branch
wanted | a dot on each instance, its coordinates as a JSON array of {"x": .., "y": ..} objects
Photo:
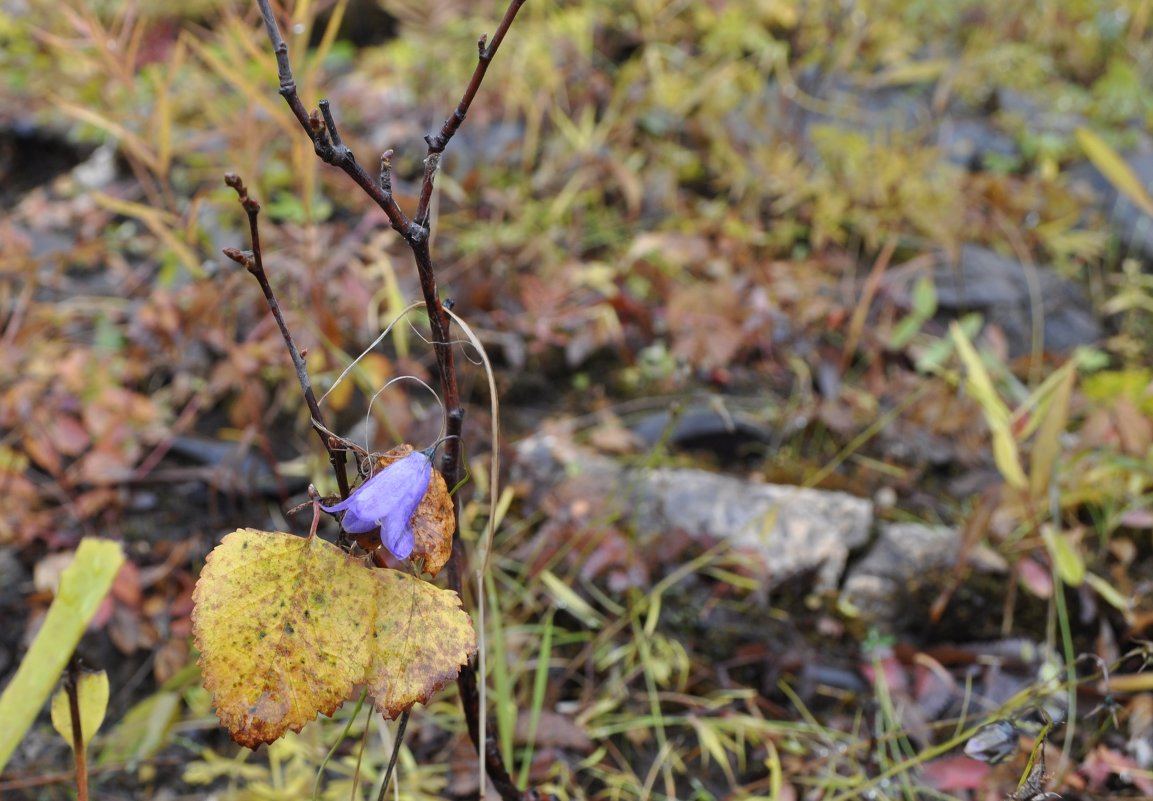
[
  {"x": 72, "y": 686},
  {"x": 395, "y": 753},
  {"x": 431, "y": 167},
  {"x": 321, "y": 130},
  {"x": 486, "y": 50},
  {"x": 253, "y": 261},
  {"x": 485, "y": 54},
  {"x": 325, "y": 139}
]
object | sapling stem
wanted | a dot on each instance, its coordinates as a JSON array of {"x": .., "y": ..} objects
[
  {"x": 396, "y": 743},
  {"x": 329, "y": 148},
  {"x": 72, "y": 687}
]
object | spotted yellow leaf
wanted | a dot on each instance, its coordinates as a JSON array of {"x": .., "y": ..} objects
[{"x": 288, "y": 626}]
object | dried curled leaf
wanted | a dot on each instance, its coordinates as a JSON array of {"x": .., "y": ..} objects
[
  {"x": 433, "y": 521},
  {"x": 288, "y": 626},
  {"x": 433, "y": 525}
]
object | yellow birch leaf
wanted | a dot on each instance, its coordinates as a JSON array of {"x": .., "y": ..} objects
[
  {"x": 92, "y": 697},
  {"x": 421, "y": 639},
  {"x": 288, "y": 626},
  {"x": 281, "y": 637}
]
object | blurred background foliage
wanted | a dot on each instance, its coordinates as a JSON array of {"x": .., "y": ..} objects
[{"x": 649, "y": 199}]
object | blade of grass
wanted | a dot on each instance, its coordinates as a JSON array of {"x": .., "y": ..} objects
[
  {"x": 502, "y": 682},
  {"x": 642, "y": 640},
  {"x": 539, "y": 688},
  {"x": 132, "y": 143},
  {"x": 980, "y": 386},
  {"x": 1047, "y": 448},
  {"x": 339, "y": 741},
  {"x": 83, "y": 586},
  {"x": 1114, "y": 168},
  {"x": 1069, "y": 650},
  {"x": 161, "y": 224},
  {"x": 861, "y": 310}
]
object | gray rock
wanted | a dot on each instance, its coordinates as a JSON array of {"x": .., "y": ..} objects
[
  {"x": 790, "y": 529},
  {"x": 784, "y": 530},
  {"x": 906, "y": 557},
  {"x": 974, "y": 142},
  {"x": 1003, "y": 290},
  {"x": 966, "y": 136},
  {"x": 13, "y": 581},
  {"x": 1036, "y": 113},
  {"x": 727, "y": 434}
]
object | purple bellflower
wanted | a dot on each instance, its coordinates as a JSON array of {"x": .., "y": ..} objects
[{"x": 388, "y": 500}]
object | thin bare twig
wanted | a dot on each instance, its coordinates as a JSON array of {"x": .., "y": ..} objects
[
  {"x": 326, "y": 140},
  {"x": 485, "y": 51},
  {"x": 253, "y": 261},
  {"x": 395, "y": 753},
  {"x": 72, "y": 686}
]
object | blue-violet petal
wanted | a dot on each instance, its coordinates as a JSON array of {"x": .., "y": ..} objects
[{"x": 389, "y": 500}]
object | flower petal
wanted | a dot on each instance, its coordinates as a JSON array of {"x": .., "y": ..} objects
[
  {"x": 339, "y": 507},
  {"x": 393, "y": 485},
  {"x": 396, "y": 535},
  {"x": 354, "y": 524},
  {"x": 388, "y": 499}
]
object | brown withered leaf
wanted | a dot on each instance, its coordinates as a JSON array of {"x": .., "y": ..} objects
[
  {"x": 433, "y": 525},
  {"x": 706, "y": 324},
  {"x": 433, "y": 522}
]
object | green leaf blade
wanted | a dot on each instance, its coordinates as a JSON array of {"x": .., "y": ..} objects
[{"x": 83, "y": 586}]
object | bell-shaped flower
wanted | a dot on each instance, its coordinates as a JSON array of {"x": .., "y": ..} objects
[{"x": 389, "y": 500}]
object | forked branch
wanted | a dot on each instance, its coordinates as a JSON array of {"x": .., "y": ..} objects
[{"x": 320, "y": 126}]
